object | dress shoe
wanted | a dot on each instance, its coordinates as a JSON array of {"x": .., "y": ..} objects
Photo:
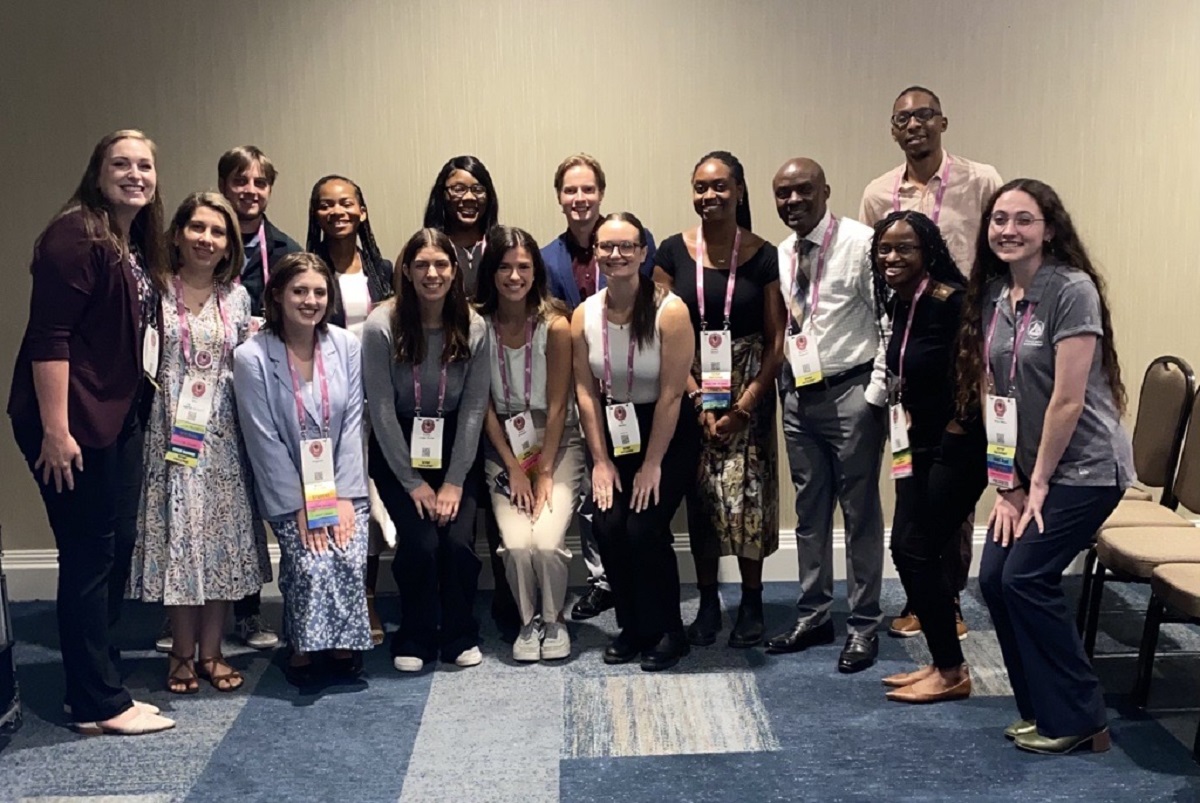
[
  {"x": 902, "y": 679},
  {"x": 908, "y": 694},
  {"x": 906, "y": 625},
  {"x": 595, "y": 602},
  {"x": 1035, "y": 742},
  {"x": 1020, "y": 727},
  {"x": 960, "y": 626},
  {"x": 703, "y": 631},
  {"x": 748, "y": 630},
  {"x": 859, "y": 653},
  {"x": 666, "y": 653},
  {"x": 622, "y": 649},
  {"x": 804, "y": 634}
]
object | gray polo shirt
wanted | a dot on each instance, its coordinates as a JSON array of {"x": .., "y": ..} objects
[{"x": 1066, "y": 303}]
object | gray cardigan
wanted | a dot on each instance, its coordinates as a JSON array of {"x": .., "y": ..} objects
[{"x": 389, "y": 386}]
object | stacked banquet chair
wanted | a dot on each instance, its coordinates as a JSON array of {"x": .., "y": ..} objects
[
  {"x": 1167, "y": 397},
  {"x": 1174, "y": 597}
]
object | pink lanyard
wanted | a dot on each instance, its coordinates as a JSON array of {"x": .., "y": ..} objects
[
  {"x": 416, "y": 377},
  {"x": 729, "y": 285},
  {"x": 262, "y": 250},
  {"x": 1018, "y": 339},
  {"x": 943, "y": 182},
  {"x": 500, "y": 352},
  {"x": 912, "y": 313},
  {"x": 830, "y": 232},
  {"x": 608, "y": 381},
  {"x": 319, "y": 369},
  {"x": 185, "y": 330}
]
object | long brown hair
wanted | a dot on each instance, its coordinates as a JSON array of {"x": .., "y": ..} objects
[
  {"x": 539, "y": 302},
  {"x": 407, "y": 332},
  {"x": 230, "y": 267},
  {"x": 146, "y": 235},
  {"x": 1064, "y": 247},
  {"x": 282, "y": 274},
  {"x": 649, "y": 295}
]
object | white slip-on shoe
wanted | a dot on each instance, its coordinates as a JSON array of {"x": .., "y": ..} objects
[
  {"x": 408, "y": 663},
  {"x": 471, "y": 657}
]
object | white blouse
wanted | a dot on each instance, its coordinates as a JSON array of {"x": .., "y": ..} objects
[{"x": 647, "y": 360}]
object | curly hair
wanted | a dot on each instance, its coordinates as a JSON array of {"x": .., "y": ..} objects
[{"x": 1065, "y": 247}]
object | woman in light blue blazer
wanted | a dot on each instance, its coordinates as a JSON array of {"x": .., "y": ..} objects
[{"x": 299, "y": 393}]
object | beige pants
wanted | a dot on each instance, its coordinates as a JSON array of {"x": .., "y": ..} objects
[{"x": 535, "y": 553}]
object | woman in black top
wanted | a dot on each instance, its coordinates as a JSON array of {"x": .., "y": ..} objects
[
  {"x": 733, "y": 509},
  {"x": 939, "y": 467}
]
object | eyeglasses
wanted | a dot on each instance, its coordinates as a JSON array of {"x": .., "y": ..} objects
[
  {"x": 903, "y": 250},
  {"x": 625, "y": 248},
  {"x": 1022, "y": 221},
  {"x": 459, "y": 191},
  {"x": 923, "y": 115}
]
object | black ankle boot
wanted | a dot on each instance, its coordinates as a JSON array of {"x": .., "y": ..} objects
[
  {"x": 749, "y": 629},
  {"x": 704, "y": 630}
]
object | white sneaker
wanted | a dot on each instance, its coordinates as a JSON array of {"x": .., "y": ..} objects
[
  {"x": 407, "y": 663},
  {"x": 557, "y": 643},
  {"x": 528, "y": 646},
  {"x": 471, "y": 657},
  {"x": 164, "y": 642}
]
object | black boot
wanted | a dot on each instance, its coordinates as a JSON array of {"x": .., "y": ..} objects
[
  {"x": 749, "y": 629},
  {"x": 704, "y": 630}
]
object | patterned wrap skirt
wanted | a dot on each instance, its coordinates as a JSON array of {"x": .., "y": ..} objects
[{"x": 734, "y": 507}]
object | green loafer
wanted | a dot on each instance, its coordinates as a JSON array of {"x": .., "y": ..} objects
[{"x": 1097, "y": 742}]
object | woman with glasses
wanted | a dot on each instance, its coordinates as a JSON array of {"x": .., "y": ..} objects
[
  {"x": 632, "y": 348},
  {"x": 534, "y": 457},
  {"x": 462, "y": 203},
  {"x": 1037, "y": 346},
  {"x": 425, "y": 358},
  {"x": 937, "y": 458},
  {"x": 729, "y": 278}
]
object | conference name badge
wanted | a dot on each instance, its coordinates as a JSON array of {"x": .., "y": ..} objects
[
  {"x": 523, "y": 438},
  {"x": 901, "y": 448},
  {"x": 623, "y": 427},
  {"x": 320, "y": 490},
  {"x": 716, "y": 369},
  {"x": 1000, "y": 414},
  {"x": 192, "y": 412},
  {"x": 804, "y": 359},
  {"x": 426, "y": 446}
]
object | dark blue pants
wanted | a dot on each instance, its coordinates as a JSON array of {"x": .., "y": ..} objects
[{"x": 1052, "y": 678}]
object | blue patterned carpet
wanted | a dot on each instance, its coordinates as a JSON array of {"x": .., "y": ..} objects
[{"x": 727, "y": 726}]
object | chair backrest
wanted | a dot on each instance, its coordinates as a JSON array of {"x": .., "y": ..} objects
[
  {"x": 1164, "y": 404},
  {"x": 1187, "y": 480}
]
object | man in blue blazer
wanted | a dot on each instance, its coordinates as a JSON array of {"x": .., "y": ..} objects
[{"x": 573, "y": 276}]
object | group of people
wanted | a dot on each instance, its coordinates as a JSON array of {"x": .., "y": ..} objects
[{"x": 180, "y": 384}]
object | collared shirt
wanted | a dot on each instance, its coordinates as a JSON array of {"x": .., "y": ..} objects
[
  {"x": 969, "y": 185},
  {"x": 846, "y": 326},
  {"x": 1066, "y": 304}
]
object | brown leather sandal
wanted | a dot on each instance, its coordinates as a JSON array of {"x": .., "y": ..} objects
[
  {"x": 177, "y": 681},
  {"x": 224, "y": 682}
]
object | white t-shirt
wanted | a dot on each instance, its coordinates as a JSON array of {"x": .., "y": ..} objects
[
  {"x": 356, "y": 300},
  {"x": 646, "y": 360}
]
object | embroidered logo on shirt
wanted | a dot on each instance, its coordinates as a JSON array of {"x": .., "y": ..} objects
[{"x": 1036, "y": 330}]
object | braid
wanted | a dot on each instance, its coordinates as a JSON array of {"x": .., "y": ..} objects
[{"x": 373, "y": 263}]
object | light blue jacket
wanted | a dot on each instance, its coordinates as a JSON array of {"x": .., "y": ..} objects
[{"x": 266, "y": 406}]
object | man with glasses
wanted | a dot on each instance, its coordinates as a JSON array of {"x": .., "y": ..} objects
[{"x": 952, "y": 192}]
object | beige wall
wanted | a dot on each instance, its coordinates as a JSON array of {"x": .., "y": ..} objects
[{"x": 1097, "y": 97}]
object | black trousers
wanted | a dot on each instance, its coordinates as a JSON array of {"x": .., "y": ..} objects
[
  {"x": 84, "y": 521},
  {"x": 129, "y": 496},
  {"x": 931, "y": 506},
  {"x": 435, "y": 568},
  {"x": 1052, "y": 679},
  {"x": 637, "y": 547}
]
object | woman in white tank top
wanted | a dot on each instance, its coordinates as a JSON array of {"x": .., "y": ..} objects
[{"x": 633, "y": 347}]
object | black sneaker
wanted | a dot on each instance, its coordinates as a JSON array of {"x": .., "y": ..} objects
[{"x": 595, "y": 602}]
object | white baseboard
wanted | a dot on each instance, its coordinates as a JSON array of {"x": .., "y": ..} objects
[{"x": 32, "y": 574}]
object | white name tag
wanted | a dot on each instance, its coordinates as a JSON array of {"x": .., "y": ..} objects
[
  {"x": 901, "y": 448},
  {"x": 523, "y": 439},
  {"x": 716, "y": 369},
  {"x": 1000, "y": 415},
  {"x": 192, "y": 412},
  {"x": 426, "y": 446},
  {"x": 150, "y": 350},
  {"x": 320, "y": 489},
  {"x": 803, "y": 357},
  {"x": 623, "y": 427}
]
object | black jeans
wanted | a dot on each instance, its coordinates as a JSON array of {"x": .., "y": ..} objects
[
  {"x": 129, "y": 495},
  {"x": 84, "y": 521},
  {"x": 639, "y": 558},
  {"x": 436, "y": 568},
  {"x": 931, "y": 506}
]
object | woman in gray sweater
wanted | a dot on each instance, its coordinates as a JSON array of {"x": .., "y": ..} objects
[{"x": 425, "y": 371}]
